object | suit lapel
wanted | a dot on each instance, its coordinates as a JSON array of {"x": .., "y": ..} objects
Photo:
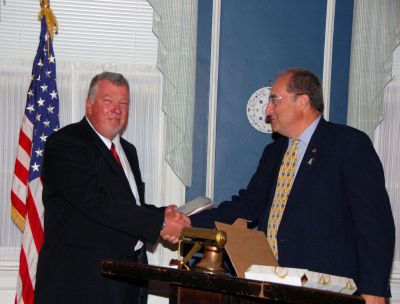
[
  {"x": 309, "y": 162},
  {"x": 303, "y": 184},
  {"x": 132, "y": 159},
  {"x": 281, "y": 149},
  {"x": 105, "y": 153},
  {"x": 131, "y": 155},
  {"x": 274, "y": 160}
]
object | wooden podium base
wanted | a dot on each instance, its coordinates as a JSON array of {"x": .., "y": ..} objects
[{"x": 195, "y": 296}]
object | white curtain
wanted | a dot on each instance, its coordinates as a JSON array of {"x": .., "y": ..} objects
[
  {"x": 73, "y": 79},
  {"x": 374, "y": 91},
  {"x": 387, "y": 144},
  {"x": 175, "y": 25},
  {"x": 373, "y": 42}
]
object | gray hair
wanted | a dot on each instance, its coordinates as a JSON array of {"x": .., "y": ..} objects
[
  {"x": 305, "y": 82},
  {"x": 114, "y": 78}
]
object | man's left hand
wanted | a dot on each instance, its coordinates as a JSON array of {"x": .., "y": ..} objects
[
  {"x": 175, "y": 221},
  {"x": 370, "y": 299}
]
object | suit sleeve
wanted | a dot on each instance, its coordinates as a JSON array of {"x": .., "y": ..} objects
[
  {"x": 75, "y": 175},
  {"x": 248, "y": 204},
  {"x": 372, "y": 216}
]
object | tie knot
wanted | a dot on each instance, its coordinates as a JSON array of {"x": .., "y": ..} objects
[{"x": 293, "y": 147}]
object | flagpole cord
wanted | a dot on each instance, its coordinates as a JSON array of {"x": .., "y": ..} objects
[{"x": 51, "y": 20}]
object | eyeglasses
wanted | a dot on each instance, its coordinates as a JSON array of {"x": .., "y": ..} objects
[{"x": 275, "y": 99}]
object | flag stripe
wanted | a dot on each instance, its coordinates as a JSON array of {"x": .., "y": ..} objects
[
  {"x": 31, "y": 252},
  {"x": 23, "y": 158},
  {"x": 19, "y": 189},
  {"x": 18, "y": 204},
  {"x": 21, "y": 172},
  {"x": 34, "y": 220},
  {"x": 27, "y": 291},
  {"x": 27, "y": 126},
  {"x": 25, "y": 142}
]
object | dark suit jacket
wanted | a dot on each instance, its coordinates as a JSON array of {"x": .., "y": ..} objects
[
  {"x": 90, "y": 214},
  {"x": 338, "y": 218}
]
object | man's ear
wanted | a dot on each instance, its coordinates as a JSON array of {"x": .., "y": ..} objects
[
  {"x": 304, "y": 100},
  {"x": 88, "y": 106}
]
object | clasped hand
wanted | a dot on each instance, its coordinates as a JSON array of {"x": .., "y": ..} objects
[{"x": 175, "y": 221}]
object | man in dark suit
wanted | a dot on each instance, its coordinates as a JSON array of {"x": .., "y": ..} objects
[
  {"x": 337, "y": 218},
  {"x": 94, "y": 204}
]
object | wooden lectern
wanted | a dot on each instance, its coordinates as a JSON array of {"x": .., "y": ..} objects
[{"x": 192, "y": 287}]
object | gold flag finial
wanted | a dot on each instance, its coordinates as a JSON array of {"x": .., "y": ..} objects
[{"x": 51, "y": 20}]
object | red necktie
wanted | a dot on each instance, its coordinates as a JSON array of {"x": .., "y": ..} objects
[{"x": 114, "y": 153}]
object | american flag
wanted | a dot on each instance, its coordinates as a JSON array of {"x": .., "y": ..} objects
[{"x": 39, "y": 121}]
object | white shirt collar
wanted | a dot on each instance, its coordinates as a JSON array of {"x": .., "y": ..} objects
[{"x": 106, "y": 140}]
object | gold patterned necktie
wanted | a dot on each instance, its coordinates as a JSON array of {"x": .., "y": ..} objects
[{"x": 282, "y": 191}]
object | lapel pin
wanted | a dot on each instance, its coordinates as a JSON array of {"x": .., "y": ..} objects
[
  {"x": 314, "y": 150},
  {"x": 311, "y": 161}
]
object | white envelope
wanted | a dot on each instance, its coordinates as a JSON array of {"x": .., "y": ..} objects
[
  {"x": 301, "y": 277},
  {"x": 276, "y": 274},
  {"x": 330, "y": 282}
]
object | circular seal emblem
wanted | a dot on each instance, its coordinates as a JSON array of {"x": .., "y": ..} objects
[{"x": 256, "y": 109}]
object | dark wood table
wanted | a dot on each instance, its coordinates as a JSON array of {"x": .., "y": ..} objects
[{"x": 192, "y": 287}]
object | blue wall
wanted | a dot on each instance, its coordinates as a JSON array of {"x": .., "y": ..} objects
[
  {"x": 258, "y": 39},
  {"x": 341, "y": 61},
  {"x": 200, "y": 126}
]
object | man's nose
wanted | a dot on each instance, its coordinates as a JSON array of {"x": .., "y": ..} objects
[
  {"x": 269, "y": 109},
  {"x": 116, "y": 108}
]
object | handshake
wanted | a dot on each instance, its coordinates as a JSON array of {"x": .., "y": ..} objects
[{"x": 174, "y": 222}]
